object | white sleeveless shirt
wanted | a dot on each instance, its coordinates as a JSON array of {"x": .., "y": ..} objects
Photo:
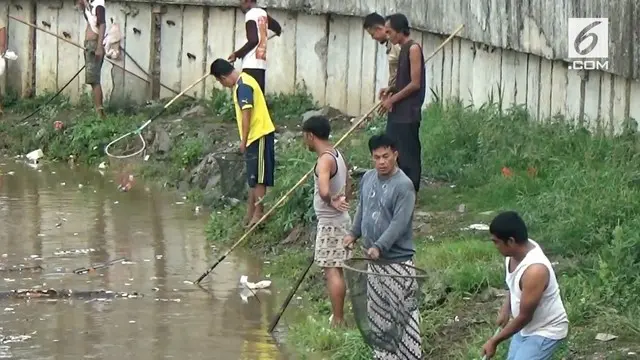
[
  {"x": 325, "y": 212},
  {"x": 550, "y": 318}
]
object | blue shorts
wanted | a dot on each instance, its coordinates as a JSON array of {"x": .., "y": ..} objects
[
  {"x": 532, "y": 347},
  {"x": 261, "y": 161}
]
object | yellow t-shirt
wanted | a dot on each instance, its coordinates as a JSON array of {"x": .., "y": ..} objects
[{"x": 248, "y": 95}]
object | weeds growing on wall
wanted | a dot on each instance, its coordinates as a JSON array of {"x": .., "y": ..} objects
[{"x": 577, "y": 191}]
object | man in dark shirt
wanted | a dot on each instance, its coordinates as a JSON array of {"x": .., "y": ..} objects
[
  {"x": 404, "y": 106},
  {"x": 254, "y": 52}
]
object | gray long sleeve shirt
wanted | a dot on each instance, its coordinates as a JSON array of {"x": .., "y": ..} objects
[{"x": 384, "y": 215}]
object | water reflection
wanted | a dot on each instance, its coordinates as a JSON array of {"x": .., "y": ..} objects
[{"x": 52, "y": 209}]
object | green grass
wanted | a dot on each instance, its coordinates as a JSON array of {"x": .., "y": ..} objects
[{"x": 582, "y": 205}]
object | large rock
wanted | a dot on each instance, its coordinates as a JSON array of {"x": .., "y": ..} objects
[
  {"x": 206, "y": 176},
  {"x": 326, "y": 111},
  {"x": 161, "y": 143}
]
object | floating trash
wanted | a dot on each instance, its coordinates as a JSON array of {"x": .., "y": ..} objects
[
  {"x": 259, "y": 285},
  {"x": 21, "y": 267},
  {"x": 94, "y": 267},
  {"x": 38, "y": 293},
  {"x": 59, "y": 252}
]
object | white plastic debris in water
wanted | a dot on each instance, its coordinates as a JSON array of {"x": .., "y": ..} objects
[
  {"x": 259, "y": 285},
  {"x": 188, "y": 282},
  {"x": 102, "y": 165},
  {"x": 481, "y": 227},
  {"x": 35, "y": 155}
]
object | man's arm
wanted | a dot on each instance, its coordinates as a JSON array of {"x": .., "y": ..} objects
[
  {"x": 251, "y": 28},
  {"x": 102, "y": 24},
  {"x": 349, "y": 183},
  {"x": 534, "y": 281},
  {"x": 325, "y": 165},
  {"x": 402, "y": 214},
  {"x": 356, "y": 228},
  {"x": 273, "y": 25},
  {"x": 415, "y": 61},
  {"x": 3, "y": 39},
  {"x": 244, "y": 94}
]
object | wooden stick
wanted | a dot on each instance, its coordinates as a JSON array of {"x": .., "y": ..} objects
[
  {"x": 82, "y": 47},
  {"x": 304, "y": 178}
]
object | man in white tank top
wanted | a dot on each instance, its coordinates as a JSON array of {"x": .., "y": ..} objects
[
  {"x": 533, "y": 313},
  {"x": 331, "y": 188}
]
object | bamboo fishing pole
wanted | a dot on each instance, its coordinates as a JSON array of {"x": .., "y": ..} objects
[
  {"x": 304, "y": 178},
  {"x": 82, "y": 47}
]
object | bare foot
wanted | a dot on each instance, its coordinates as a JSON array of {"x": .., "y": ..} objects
[
  {"x": 254, "y": 220},
  {"x": 336, "y": 323}
]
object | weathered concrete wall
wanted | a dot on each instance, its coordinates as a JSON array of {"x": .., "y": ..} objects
[
  {"x": 537, "y": 26},
  {"x": 330, "y": 54}
]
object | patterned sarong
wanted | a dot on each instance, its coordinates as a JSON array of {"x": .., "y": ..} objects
[{"x": 393, "y": 312}]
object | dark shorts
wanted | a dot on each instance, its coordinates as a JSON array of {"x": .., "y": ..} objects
[
  {"x": 407, "y": 139},
  {"x": 259, "y": 75},
  {"x": 93, "y": 66},
  {"x": 261, "y": 161}
]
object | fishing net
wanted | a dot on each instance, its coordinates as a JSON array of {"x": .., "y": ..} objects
[
  {"x": 125, "y": 155},
  {"x": 385, "y": 298},
  {"x": 233, "y": 174}
]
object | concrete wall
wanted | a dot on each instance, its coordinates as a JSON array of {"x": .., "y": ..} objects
[{"x": 332, "y": 55}]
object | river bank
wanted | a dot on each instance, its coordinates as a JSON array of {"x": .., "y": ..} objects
[{"x": 577, "y": 192}]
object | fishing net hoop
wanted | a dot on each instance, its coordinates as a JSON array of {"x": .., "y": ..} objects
[
  {"x": 423, "y": 274},
  {"x": 125, "y": 136}
]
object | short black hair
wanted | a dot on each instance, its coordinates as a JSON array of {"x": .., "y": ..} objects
[
  {"x": 319, "y": 126},
  {"x": 372, "y": 20},
  {"x": 381, "y": 141},
  {"x": 508, "y": 225},
  {"x": 399, "y": 23},
  {"x": 221, "y": 67}
]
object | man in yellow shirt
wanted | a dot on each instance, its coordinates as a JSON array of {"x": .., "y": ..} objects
[{"x": 256, "y": 133}]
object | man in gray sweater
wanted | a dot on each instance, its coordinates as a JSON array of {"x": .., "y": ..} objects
[{"x": 384, "y": 222}]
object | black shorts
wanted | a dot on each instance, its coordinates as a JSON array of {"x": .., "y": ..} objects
[
  {"x": 259, "y": 75},
  {"x": 261, "y": 161},
  {"x": 407, "y": 140}
]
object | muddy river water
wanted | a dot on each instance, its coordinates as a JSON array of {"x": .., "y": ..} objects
[{"x": 63, "y": 219}]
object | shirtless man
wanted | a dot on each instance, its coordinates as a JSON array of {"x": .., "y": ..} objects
[{"x": 95, "y": 15}]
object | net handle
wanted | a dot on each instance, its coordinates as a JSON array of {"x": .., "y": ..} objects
[{"x": 382, "y": 263}]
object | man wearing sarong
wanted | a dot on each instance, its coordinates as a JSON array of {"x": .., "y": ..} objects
[
  {"x": 331, "y": 187},
  {"x": 384, "y": 222}
]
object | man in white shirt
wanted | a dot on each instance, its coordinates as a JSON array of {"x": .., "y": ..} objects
[
  {"x": 533, "y": 312},
  {"x": 95, "y": 14},
  {"x": 254, "y": 52}
]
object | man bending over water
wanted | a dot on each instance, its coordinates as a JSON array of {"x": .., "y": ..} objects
[
  {"x": 257, "y": 133},
  {"x": 532, "y": 315},
  {"x": 384, "y": 222}
]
